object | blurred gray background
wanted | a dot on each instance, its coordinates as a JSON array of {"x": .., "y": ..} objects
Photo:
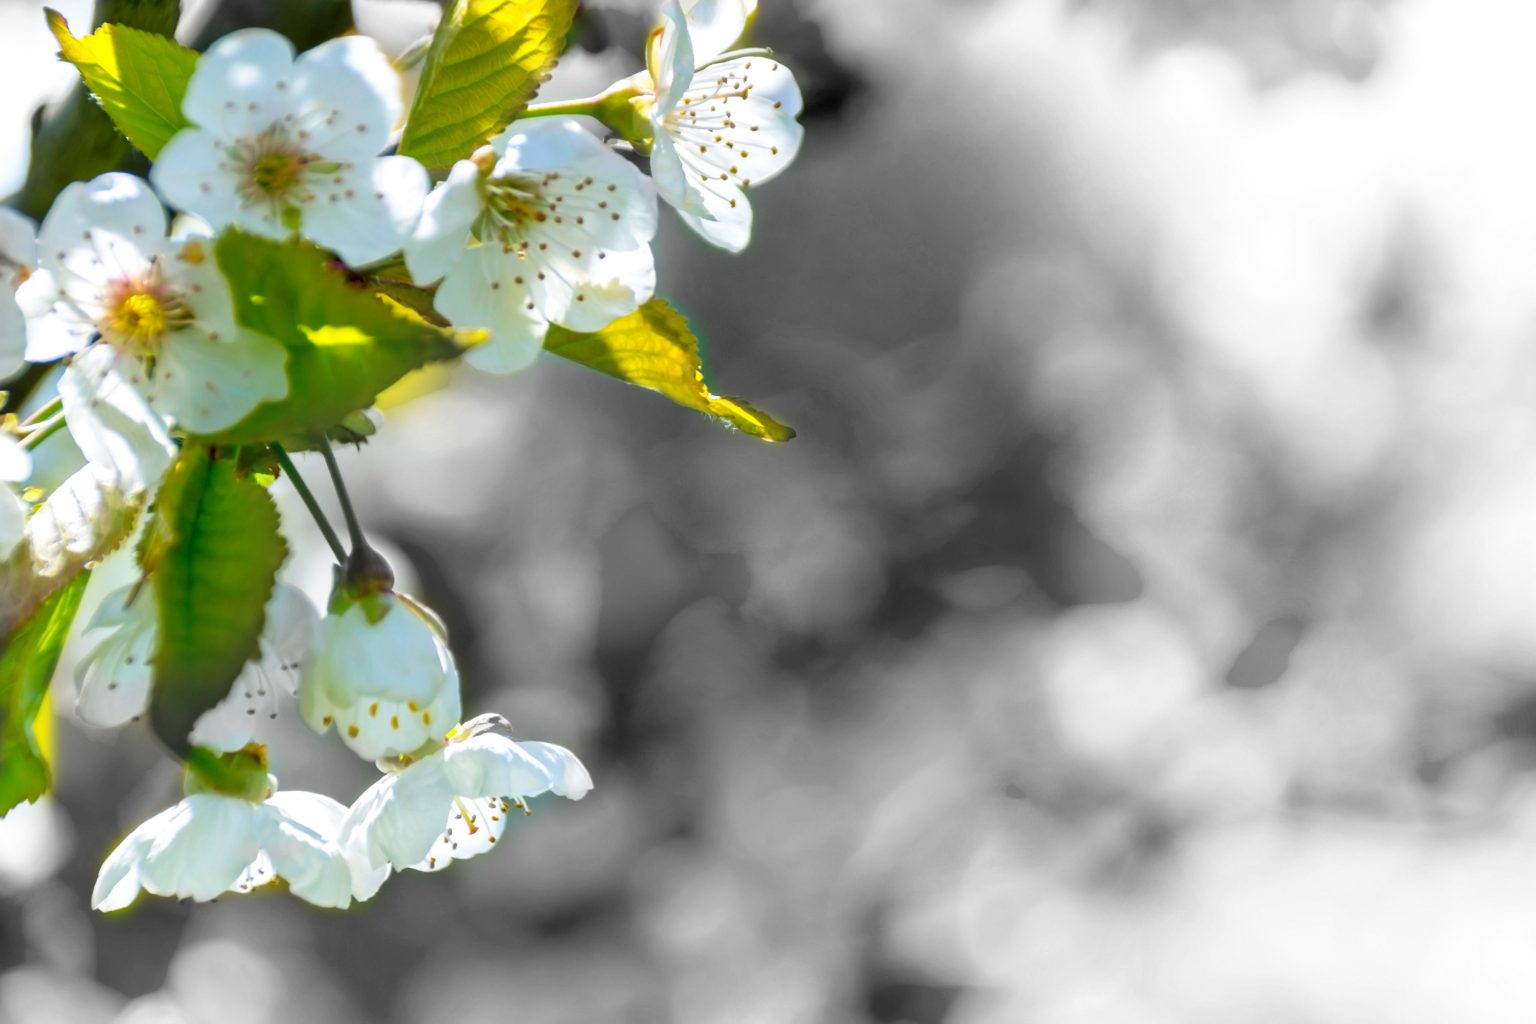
[{"x": 1138, "y": 632}]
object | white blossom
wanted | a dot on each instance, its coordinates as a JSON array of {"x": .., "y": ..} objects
[
  {"x": 283, "y": 144},
  {"x": 721, "y": 121},
  {"x": 211, "y": 843},
  {"x": 15, "y": 467},
  {"x": 453, "y": 803},
  {"x": 18, "y": 258},
  {"x": 547, "y": 226},
  {"x": 380, "y": 673},
  {"x": 149, "y": 323},
  {"x": 113, "y": 679}
]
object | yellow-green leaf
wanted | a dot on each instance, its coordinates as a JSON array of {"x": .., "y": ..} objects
[
  {"x": 344, "y": 344},
  {"x": 654, "y": 348},
  {"x": 487, "y": 60},
  {"x": 139, "y": 78},
  {"x": 27, "y": 661},
  {"x": 220, "y": 553}
]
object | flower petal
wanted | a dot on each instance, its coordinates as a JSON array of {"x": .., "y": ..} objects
[
  {"x": 486, "y": 291},
  {"x": 671, "y": 56},
  {"x": 494, "y": 765},
  {"x": 18, "y": 238},
  {"x": 115, "y": 205},
  {"x": 110, "y": 420},
  {"x": 202, "y": 847},
  {"x": 353, "y": 80},
  {"x": 121, "y": 874},
  {"x": 473, "y": 827},
  {"x": 716, "y": 25},
  {"x": 568, "y": 776},
  {"x": 193, "y": 174},
  {"x": 206, "y": 385},
  {"x": 252, "y": 704},
  {"x": 299, "y": 839},
  {"x": 365, "y": 217},
  {"x": 243, "y": 83},
  {"x": 442, "y": 235},
  {"x": 113, "y": 678},
  {"x": 398, "y": 818}
]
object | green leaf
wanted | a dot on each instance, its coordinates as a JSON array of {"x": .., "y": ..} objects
[
  {"x": 487, "y": 59},
  {"x": 139, "y": 78},
  {"x": 220, "y": 553},
  {"x": 85, "y": 519},
  {"x": 345, "y": 344},
  {"x": 27, "y": 662},
  {"x": 655, "y": 348}
]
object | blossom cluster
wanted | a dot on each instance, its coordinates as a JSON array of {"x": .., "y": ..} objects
[{"x": 547, "y": 224}]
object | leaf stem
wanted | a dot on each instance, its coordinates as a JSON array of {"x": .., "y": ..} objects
[
  {"x": 359, "y": 542},
  {"x": 564, "y": 108},
  {"x": 310, "y": 503},
  {"x": 48, "y": 408},
  {"x": 43, "y": 431}
]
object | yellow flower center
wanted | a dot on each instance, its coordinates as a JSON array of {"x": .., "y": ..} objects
[
  {"x": 140, "y": 313},
  {"x": 274, "y": 174}
]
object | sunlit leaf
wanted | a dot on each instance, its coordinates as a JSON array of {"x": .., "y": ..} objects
[
  {"x": 654, "y": 348},
  {"x": 219, "y": 550},
  {"x": 486, "y": 61},
  {"x": 139, "y": 78},
  {"x": 27, "y": 661},
  {"x": 344, "y": 344}
]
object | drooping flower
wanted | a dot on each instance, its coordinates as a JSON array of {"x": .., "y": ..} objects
[
  {"x": 149, "y": 324},
  {"x": 720, "y": 121},
  {"x": 113, "y": 679},
  {"x": 18, "y": 257},
  {"x": 15, "y": 467},
  {"x": 545, "y": 226},
  {"x": 213, "y": 843},
  {"x": 453, "y": 803},
  {"x": 380, "y": 673},
  {"x": 283, "y": 145}
]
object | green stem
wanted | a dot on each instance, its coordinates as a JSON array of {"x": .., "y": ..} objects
[
  {"x": 45, "y": 410},
  {"x": 359, "y": 542},
  {"x": 310, "y": 503},
  {"x": 565, "y": 108},
  {"x": 43, "y": 431}
]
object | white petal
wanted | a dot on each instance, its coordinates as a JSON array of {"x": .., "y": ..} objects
[
  {"x": 13, "y": 334},
  {"x": 117, "y": 205},
  {"x": 353, "y": 80},
  {"x": 191, "y": 174},
  {"x": 733, "y": 232},
  {"x": 53, "y": 331},
  {"x": 483, "y": 292},
  {"x": 119, "y": 880},
  {"x": 202, "y": 847},
  {"x": 366, "y": 218},
  {"x": 246, "y": 713},
  {"x": 494, "y": 765},
  {"x": 397, "y": 820},
  {"x": 442, "y": 235},
  {"x": 243, "y": 83},
  {"x": 13, "y": 521},
  {"x": 616, "y": 286},
  {"x": 671, "y": 56},
  {"x": 474, "y": 826},
  {"x": 715, "y": 25},
  {"x": 206, "y": 385},
  {"x": 299, "y": 840},
  {"x": 113, "y": 678},
  {"x": 111, "y": 422},
  {"x": 378, "y": 728},
  {"x": 15, "y": 461},
  {"x": 568, "y": 776},
  {"x": 18, "y": 238},
  {"x": 398, "y": 658}
]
